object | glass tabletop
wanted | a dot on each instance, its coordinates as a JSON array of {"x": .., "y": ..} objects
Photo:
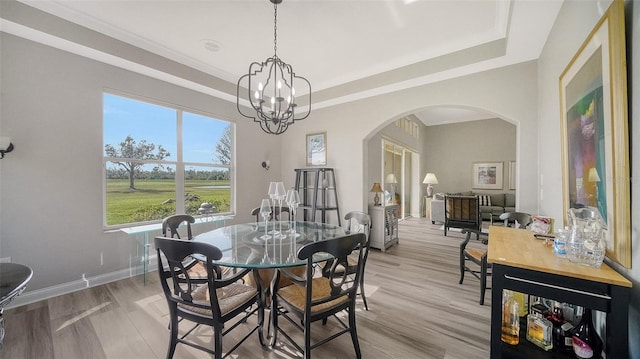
[{"x": 251, "y": 245}]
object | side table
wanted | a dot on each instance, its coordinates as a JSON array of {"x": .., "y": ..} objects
[
  {"x": 426, "y": 210},
  {"x": 13, "y": 280}
]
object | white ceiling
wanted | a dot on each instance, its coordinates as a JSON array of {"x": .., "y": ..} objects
[{"x": 347, "y": 49}]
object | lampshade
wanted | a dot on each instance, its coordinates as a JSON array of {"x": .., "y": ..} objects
[
  {"x": 391, "y": 178},
  {"x": 376, "y": 188},
  {"x": 593, "y": 175},
  {"x": 430, "y": 178}
]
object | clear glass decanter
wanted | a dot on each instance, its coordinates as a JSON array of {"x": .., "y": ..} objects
[{"x": 585, "y": 240}]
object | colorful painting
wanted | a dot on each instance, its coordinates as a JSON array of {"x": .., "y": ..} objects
[
  {"x": 595, "y": 134},
  {"x": 586, "y": 148}
]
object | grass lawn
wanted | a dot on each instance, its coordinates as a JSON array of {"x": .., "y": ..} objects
[{"x": 145, "y": 203}]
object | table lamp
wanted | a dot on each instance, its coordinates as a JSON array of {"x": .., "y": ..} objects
[
  {"x": 376, "y": 189},
  {"x": 430, "y": 179}
]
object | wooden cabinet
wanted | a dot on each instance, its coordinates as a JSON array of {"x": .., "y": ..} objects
[{"x": 384, "y": 226}]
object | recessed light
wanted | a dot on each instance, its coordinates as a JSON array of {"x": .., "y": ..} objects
[{"x": 211, "y": 45}]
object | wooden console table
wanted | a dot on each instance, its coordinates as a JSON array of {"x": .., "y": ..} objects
[{"x": 524, "y": 264}]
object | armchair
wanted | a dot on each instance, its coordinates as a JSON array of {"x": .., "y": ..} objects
[{"x": 462, "y": 212}]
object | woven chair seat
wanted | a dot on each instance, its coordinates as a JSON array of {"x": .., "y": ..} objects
[
  {"x": 229, "y": 298},
  {"x": 296, "y": 295},
  {"x": 476, "y": 253}
]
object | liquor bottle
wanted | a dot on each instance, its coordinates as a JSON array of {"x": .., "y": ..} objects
[
  {"x": 523, "y": 303},
  {"x": 539, "y": 331},
  {"x": 510, "y": 319},
  {"x": 585, "y": 340},
  {"x": 556, "y": 318}
]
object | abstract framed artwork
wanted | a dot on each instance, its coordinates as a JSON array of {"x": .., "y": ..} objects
[
  {"x": 317, "y": 149},
  {"x": 487, "y": 175},
  {"x": 595, "y": 145}
]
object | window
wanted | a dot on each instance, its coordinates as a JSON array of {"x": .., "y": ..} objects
[{"x": 161, "y": 160}]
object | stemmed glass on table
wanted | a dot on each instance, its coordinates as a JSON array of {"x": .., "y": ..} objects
[
  {"x": 280, "y": 194},
  {"x": 293, "y": 199},
  {"x": 273, "y": 195},
  {"x": 265, "y": 211}
]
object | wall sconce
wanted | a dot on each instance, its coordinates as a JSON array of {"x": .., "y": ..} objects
[
  {"x": 266, "y": 164},
  {"x": 5, "y": 146}
]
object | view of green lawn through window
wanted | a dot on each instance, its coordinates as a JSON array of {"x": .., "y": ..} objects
[{"x": 151, "y": 172}]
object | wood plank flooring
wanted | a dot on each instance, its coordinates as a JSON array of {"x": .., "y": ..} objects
[{"x": 417, "y": 309}]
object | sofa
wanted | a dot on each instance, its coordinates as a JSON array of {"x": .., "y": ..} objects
[
  {"x": 496, "y": 204},
  {"x": 492, "y": 205}
]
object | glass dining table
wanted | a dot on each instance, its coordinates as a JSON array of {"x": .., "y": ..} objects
[{"x": 251, "y": 245}]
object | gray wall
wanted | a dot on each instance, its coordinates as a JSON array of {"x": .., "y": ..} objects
[
  {"x": 350, "y": 126},
  {"x": 451, "y": 150},
  {"x": 51, "y": 184},
  {"x": 574, "y": 23}
]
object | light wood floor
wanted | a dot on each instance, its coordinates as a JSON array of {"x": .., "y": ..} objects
[{"x": 417, "y": 309}]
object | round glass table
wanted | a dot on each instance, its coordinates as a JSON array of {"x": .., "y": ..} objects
[{"x": 251, "y": 245}]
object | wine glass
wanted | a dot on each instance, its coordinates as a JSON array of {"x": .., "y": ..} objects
[
  {"x": 287, "y": 199},
  {"x": 279, "y": 195},
  {"x": 295, "y": 201},
  {"x": 265, "y": 211},
  {"x": 273, "y": 195}
]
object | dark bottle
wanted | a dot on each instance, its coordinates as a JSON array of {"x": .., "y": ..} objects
[
  {"x": 556, "y": 318},
  {"x": 585, "y": 340}
]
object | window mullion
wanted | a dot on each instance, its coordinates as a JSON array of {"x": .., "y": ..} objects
[{"x": 180, "y": 168}]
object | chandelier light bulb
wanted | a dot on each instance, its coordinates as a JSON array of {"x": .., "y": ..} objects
[
  {"x": 260, "y": 87},
  {"x": 257, "y": 95},
  {"x": 279, "y": 84}
]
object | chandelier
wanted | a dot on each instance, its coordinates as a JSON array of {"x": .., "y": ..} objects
[{"x": 271, "y": 89}]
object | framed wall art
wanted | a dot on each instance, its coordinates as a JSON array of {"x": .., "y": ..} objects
[
  {"x": 317, "y": 149},
  {"x": 595, "y": 145},
  {"x": 487, "y": 175}
]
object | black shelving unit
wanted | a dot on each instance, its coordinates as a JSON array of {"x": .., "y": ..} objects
[{"x": 318, "y": 193}]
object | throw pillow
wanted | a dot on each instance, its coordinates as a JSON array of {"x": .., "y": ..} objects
[{"x": 484, "y": 200}]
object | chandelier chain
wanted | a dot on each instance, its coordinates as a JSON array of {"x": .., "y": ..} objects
[{"x": 275, "y": 30}]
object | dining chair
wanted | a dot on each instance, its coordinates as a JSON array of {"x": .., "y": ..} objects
[
  {"x": 311, "y": 298},
  {"x": 357, "y": 222},
  {"x": 170, "y": 228},
  {"x": 207, "y": 301},
  {"x": 476, "y": 254},
  {"x": 524, "y": 220},
  {"x": 172, "y": 223}
]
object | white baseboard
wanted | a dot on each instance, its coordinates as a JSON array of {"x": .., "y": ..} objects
[{"x": 29, "y": 297}]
